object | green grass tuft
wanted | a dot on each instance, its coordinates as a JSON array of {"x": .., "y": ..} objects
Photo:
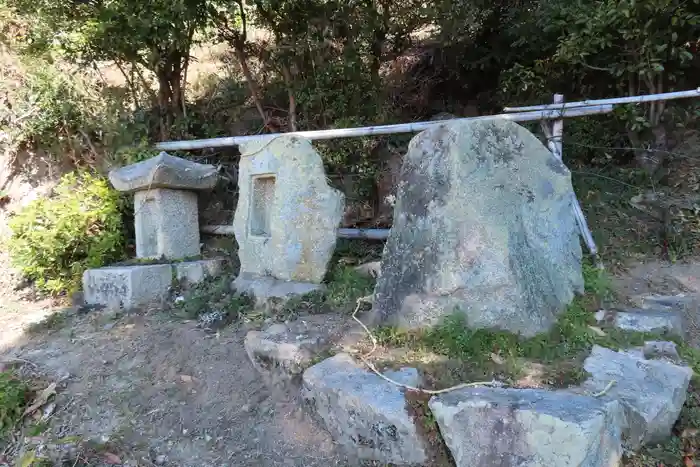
[{"x": 14, "y": 395}]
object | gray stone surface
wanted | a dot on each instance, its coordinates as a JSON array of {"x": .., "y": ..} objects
[
  {"x": 364, "y": 413},
  {"x": 284, "y": 351},
  {"x": 651, "y": 391},
  {"x": 164, "y": 171},
  {"x": 287, "y": 216},
  {"x": 167, "y": 224},
  {"x": 527, "y": 427},
  {"x": 483, "y": 225},
  {"x": 192, "y": 272},
  {"x": 661, "y": 349},
  {"x": 266, "y": 288},
  {"x": 666, "y": 321},
  {"x": 127, "y": 286}
]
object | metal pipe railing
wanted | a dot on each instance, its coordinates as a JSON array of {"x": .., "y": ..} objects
[
  {"x": 379, "y": 129},
  {"x": 666, "y": 96}
]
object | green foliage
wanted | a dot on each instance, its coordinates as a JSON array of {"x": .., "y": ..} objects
[
  {"x": 346, "y": 286},
  {"x": 561, "y": 349},
  {"x": 14, "y": 395},
  {"x": 212, "y": 295},
  {"x": 79, "y": 227}
]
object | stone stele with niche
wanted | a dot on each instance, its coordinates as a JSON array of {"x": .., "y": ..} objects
[{"x": 287, "y": 218}]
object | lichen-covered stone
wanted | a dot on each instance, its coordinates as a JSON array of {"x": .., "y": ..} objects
[
  {"x": 364, "y": 413},
  {"x": 164, "y": 171},
  {"x": 166, "y": 224},
  {"x": 651, "y": 391},
  {"x": 664, "y": 321},
  {"x": 483, "y": 225},
  {"x": 527, "y": 428},
  {"x": 284, "y": 351},
  {"x": 192, "y": 272},
  {"x": 127, "y": 286},
  {"x": 287, "y": 216}
]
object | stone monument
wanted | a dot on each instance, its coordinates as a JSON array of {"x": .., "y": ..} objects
[
  {"x": 483, "y": 227},
  {"x": 287, "y": 218},
  {"x": 167, "y": 228}
]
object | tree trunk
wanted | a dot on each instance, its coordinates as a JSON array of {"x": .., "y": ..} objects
[
  {"x": 292, "y": 122},
  {"x": 238, "y": 47}
]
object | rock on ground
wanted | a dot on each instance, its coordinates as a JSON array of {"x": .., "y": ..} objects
[
  {"x": 484, "y": 225},
  {"x": 527, "y": 427},
  {"x": 365, "y": 414},
  {"x": 283, "y": 351},
  {"x": 659, "y": 315},
  {"x": 651, "y": 391}
]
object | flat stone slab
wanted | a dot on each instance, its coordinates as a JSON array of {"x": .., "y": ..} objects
[
  {"x": 284, "y": 351},
  {"x": 528, "y": 427},
  {"x": 264, "y": 288},
  {"x": 364, "y": 413},
  {"x": 164, "y": 171},
  {"x": 652, "y": 392},
  {"x": 127, "y": 286},
  {"x": 192, "y": 272},
  {"x": 668, "y": 321}
]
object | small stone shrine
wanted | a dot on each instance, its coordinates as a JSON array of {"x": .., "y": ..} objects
[
  {"x": 287, "y": 218},
  {"x": 167, "y": 227}
]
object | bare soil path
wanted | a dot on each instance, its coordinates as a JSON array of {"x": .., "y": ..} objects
[{"x": 164, "y": 389}]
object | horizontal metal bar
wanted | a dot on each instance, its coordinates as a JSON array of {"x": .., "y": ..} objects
[
  {"x": 377, "y": 130},
  {"x": 666, "y": 96},
  {"x": 217, "y": 229},
  {"x": 370, "y": 234}
]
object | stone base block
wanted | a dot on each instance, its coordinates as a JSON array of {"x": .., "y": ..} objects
[
  {"x": 138, "y": 285},
  {"x": 192, "y": 272},
  {"x": 264, "y": 287},
  {"x": 167, "y": 223},
  {"x": 127, "y": 286}
]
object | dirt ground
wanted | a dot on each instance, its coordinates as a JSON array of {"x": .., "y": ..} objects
[
  {"x": 163, "y": 392},
  {"x": 157, "y": 387}
]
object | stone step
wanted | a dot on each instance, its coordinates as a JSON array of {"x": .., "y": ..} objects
[
  {"x": 364, "y": 413},
  {"x": 526, "y": 427},
  {"x": 652, "y": 391}
]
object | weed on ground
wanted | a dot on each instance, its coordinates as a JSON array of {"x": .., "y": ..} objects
[
  {"x": 14, "y": 396},
  {"x": 211, "y": 300},
  {"x": 556, "y": 356}
]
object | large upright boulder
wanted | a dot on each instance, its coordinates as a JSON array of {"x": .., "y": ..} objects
[{"x": 483, "y": 226}]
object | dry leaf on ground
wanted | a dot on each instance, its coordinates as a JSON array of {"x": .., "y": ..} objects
[{"x": 112, "y": 458}]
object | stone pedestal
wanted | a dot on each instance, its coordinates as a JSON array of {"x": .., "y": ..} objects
[
  {"x": 127, "y": 286},
  {"x": 139, "y": 285},
  {"x": 167, "y": 223}
]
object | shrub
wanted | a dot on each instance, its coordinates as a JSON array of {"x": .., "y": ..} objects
[
  {"x": 80, "y": 227},
  {"x": 13, "y": 398}
]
